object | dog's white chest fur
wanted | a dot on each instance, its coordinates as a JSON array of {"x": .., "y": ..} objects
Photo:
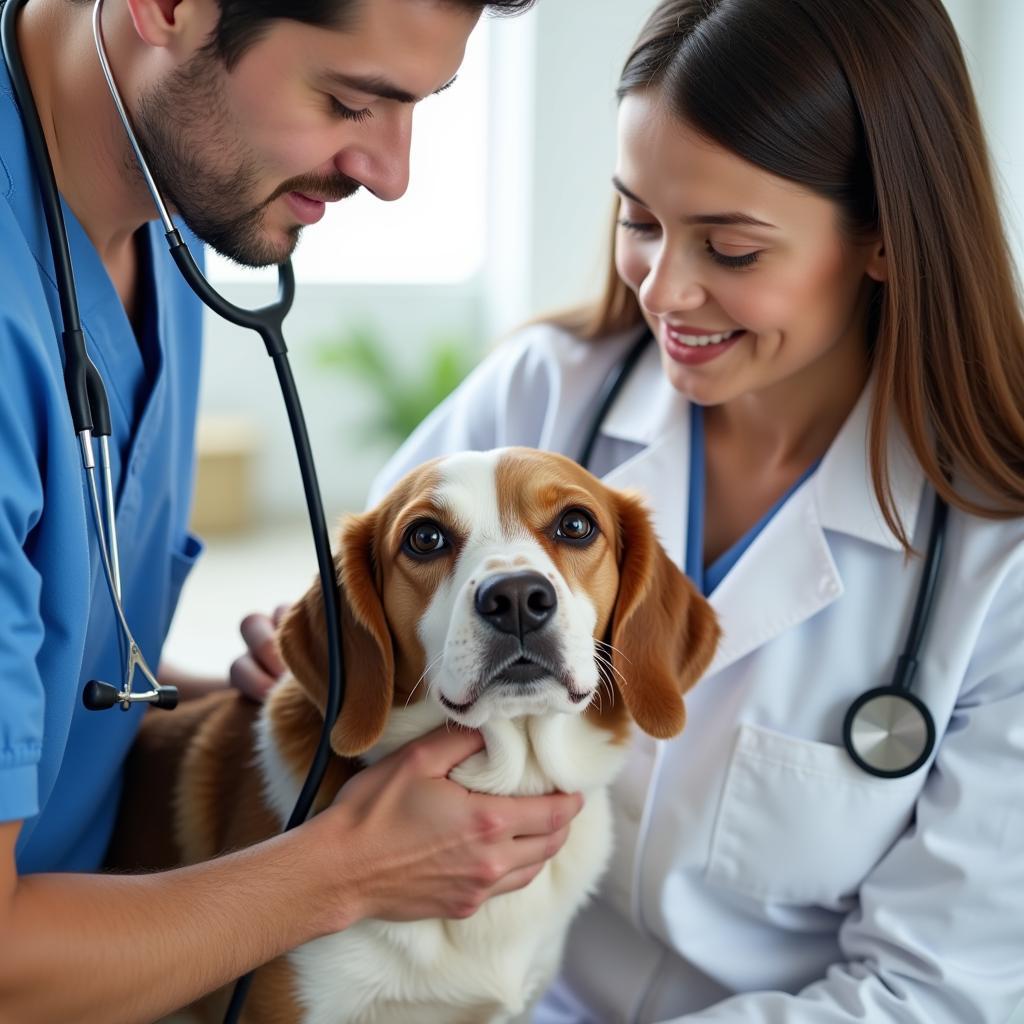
[{"x": 488, "y": 968}]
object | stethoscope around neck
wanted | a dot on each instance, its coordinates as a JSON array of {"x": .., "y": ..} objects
[
  {"x": 888, "y": 731},
  {"x": 91, "y": 418}
]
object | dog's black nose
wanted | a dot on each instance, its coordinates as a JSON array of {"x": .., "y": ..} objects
[{"x": 516, "y": 602}]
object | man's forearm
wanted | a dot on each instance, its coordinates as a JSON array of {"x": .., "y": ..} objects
[{"x": 120, "y": 948}]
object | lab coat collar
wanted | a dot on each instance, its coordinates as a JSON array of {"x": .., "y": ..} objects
[
  {"x": 788, "y": 574},
  {"x": 843, "y": 489},
  {"x": 648, "y": 406},
  {"x": 650, "y": 412}
]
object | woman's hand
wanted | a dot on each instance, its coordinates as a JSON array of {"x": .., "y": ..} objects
[
  {"x": 256, "y": 671},
  {"x": 407, "y": 843}
]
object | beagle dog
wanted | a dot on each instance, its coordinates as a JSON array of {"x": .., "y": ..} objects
[{"x": 508, "y": 591}]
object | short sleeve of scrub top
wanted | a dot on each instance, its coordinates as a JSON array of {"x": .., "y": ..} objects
[{"x": 60, "y": 764}]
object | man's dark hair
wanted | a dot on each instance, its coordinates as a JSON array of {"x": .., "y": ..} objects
[{"x": 242, "y": 22}]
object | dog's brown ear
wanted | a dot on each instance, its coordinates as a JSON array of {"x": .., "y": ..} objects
[
  {"x": 664, "y": 633},
  {"x": 366, "y": 639}
]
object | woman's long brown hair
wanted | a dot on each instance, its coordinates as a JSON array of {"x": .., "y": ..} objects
[{"x": 869, "y": 104}]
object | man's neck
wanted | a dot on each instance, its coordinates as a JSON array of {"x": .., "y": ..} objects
[{"x": 87, "y": 143}]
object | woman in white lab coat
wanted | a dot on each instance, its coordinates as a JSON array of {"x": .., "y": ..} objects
[{"x": 807, "y": 225}]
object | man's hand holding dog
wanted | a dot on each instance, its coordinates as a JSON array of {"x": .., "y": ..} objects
[{"x": 408, "y": 843}]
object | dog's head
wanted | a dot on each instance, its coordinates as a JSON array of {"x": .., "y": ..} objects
[{"x": 504, "y": 584}]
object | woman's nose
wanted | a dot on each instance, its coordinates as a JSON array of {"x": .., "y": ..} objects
[{"x": 672, "y": 284}]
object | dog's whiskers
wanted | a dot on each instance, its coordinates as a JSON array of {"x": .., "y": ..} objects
[
  {"x": 423, "y": 675},
  {"x": 611, "y": 649},
  {"x": 605, "y": 659},
  {"x": 606, "y": 683}
]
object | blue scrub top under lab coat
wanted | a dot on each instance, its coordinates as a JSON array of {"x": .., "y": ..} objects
[
  {"x": 707, "y": 577},
  {"x": 60, "y": 765}
]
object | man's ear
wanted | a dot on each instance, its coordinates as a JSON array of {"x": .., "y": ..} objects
[
  {"x": 180, "y": 25},
  {"x": 366, "y": 640},
  {"x": 664, "y": 633}
]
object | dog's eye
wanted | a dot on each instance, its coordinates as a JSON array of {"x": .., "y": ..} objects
[
  {"x": 575, "y": 525},
  {"x": 425, "y": 538}
]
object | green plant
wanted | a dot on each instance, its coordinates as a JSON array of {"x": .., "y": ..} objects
[{"x": 404, "y": 397}]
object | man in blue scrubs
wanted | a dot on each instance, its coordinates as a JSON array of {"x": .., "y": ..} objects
[{"x": 254, "y": 113}]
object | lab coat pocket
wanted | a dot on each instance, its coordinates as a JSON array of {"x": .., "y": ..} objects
[{"x": 800, "y": 823}]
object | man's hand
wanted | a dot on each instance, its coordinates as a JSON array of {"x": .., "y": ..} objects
[
  {"x": 407, "y": 843},
  {"x": 256, "y": 671}
]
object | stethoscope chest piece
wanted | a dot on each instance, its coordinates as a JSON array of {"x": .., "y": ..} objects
[{"x": 889, "y": 732}]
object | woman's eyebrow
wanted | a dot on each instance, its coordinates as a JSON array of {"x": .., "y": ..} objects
[
  {"x": 743, "y": 219},
  {"x": 700, "y": 218},
  {"x": 620, "y": 188}
]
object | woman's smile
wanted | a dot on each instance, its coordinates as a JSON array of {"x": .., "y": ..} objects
[{"x": 686, "y": 346}]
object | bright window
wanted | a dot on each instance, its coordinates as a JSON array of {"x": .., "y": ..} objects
[{"x": 436, "y": 232}]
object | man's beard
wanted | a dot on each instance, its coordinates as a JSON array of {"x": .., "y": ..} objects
[{"x": 183, "y": 119}]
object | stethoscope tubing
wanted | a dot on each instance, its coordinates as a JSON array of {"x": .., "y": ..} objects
[
  {"x": 268, "y": 322},
  {"x": 927, "y": 589},
  {"x": 907, "y": 662},
  {"x": 87, "y": 397},
  {"x": 610, "y": 389}
]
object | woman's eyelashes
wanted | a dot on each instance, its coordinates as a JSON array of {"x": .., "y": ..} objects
[
  {"x": 647, "y": 229},
  {"x": 638, "y": 227},
  {"x": 746, "y": 259}
]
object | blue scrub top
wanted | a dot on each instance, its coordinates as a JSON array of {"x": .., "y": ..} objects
[
  {"x": 60, "y": 764},
  {"x": 707, "y": 577}
]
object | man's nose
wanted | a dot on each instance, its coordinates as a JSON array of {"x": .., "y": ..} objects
[{"x": 380, "y": 163}]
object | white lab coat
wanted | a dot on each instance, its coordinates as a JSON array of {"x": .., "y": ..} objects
[{"x": 759, "y": 876}]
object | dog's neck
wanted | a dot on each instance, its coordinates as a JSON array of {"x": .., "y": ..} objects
[
  {"x": 529, "y": 755},
  {"x": 525, "y": 756}
]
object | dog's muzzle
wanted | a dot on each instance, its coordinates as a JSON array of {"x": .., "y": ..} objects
[{"x": 516, "y": 606}]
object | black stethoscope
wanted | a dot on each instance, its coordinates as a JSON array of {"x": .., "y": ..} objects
[
  {"x": 888, "y": 731},
  {"x": 91, "y": 418}
]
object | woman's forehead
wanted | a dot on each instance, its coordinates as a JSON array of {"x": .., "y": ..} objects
[{"x": 667, "y": 163}]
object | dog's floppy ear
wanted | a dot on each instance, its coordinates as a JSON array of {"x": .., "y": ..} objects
[
  {"x": 664, "y": 633},
  {"x": 366, "y": 639}
]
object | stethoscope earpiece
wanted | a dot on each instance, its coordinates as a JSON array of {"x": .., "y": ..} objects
[
  {"x": 889, "y": 732},
  {"x": 99, "y": 696}
]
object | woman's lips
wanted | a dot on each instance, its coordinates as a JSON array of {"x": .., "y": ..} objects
[{"x": 694, "y": 355}]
